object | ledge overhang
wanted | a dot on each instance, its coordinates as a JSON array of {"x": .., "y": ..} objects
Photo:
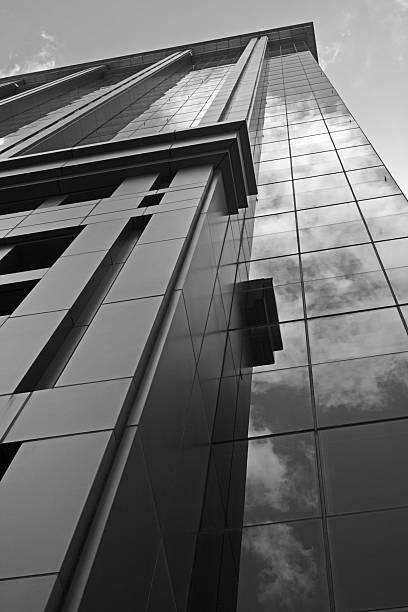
[{"x": 224, "y": 144}]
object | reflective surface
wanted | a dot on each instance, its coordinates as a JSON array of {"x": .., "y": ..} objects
[
  {"x": 337, "y": 253},
  {"x": 281, "y": 479},
  {"x": 282, "y": 568}
]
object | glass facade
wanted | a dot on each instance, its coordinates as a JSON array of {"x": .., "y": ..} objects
[
  {"x": 204, "y": 343},
  {"x": 55, "y": 107},
  {"x": 324, "y": 508},
  {"x": 178, "y": 103}
]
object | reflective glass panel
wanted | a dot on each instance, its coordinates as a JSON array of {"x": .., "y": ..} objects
[
  {"x": 399, "y": 281},
  {"x": 372, "y": 183},
  {"x": 369, "y": 560},
  {"x": 393, "y": 253},
  {"x": 311, "y": 144},
  {"x": 271, "y": 224},
  {"x": 274, "y": 171},
  {"x": 289, "y": 301},
  {"x": 281, "y": 479},
  {"x": 384, "y": 228},
  {"x": 339, "y": 262},
  {"x": 386, "y": 217},
  {"x": 274, "y": 150},
  {"x": 359, "y": 157},
  {"x": 349, "y": 138},
  {"x": 346, "y": 227},
  {"x": 280, "y": 401},
  {"x": 362, "y": 389},
  {"x": 361, "y": 334},
  {"x": 362, "y": 466},
  {"x": 282, "y": 568},
  {"x": 347, "y": 293},
  {"x": 281, "y": 269},
  {"x": 294, "y": 351},
  {"x": 322, "y": 191},
  {"x": 273, "y": 198},
  {"x": 274, "y": 245},
  {"x": 308, "y": 114},
  {"x": 310, "y": 128},
  {"x": 315, "y": 164}
]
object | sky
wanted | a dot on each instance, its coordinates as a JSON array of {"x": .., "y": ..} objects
[{"x": 362, "y": 45}]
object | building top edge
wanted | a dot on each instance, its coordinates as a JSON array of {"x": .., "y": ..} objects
[{"x": 304, "y": 31}]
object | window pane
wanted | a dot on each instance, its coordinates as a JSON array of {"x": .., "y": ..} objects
[
  {"x": 362, "y": 466},
  {"x": 339, "y": 262},
  {"x": 294, "y": 351},
  {"x": 363, "y": 578},
  {"x": 359, "y": 157},
  {"x": 274, "y": 171},
  {"x": 362, "y": 334},
  {"x": 341, "y": 122},
  {"x": 308, "y": 114},
  {"x": 311, "y": 144},
  {"x": 333, "y": 226},
  {"x": 282, "y": 568},
  {"x": 349, "y": 138},
  {"x": 372, "y": 183},
  {"x": 289, "y": 302},
  {"x": 274, "y": 150},
  {"x": 362, "y": 389},
  {"x": 271, "y": 224},
  {"x": 274, "y": 245},
  {"x": 273, "y": 134},
  {"x": 281, "y": 479},
  {"x": 399, "y": 281},
  {"x": 322, "y": 191},
  {"x": 280, "y": 401},
  {"x": 394, "y": 253},
  {"x": 347, "y": 293},
  {"x": 277, "y": 197},
  {"x": 310, "y": 128},
  {"x": 315, "y": 164},
  {"x": 386, "y": 217},
  {"x": 282, "y": 269}
]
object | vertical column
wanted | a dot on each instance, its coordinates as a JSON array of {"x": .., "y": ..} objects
[{"x": 236, "y": 94}]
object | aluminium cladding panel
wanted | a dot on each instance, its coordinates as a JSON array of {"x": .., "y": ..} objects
[
  {"x": 45, "y": 498},
  {"x": 116, "y": 569},
  {"x": 168, "y": 462},
  {"x": 119, "y": 334},
  {"x": 33, "y": 594},
  {"x": 26, "y": 345}
]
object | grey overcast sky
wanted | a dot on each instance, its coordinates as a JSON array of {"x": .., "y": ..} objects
[{"x": 362, "y": 45}]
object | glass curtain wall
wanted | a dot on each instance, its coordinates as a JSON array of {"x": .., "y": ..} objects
[
  {"x": 178, "y": 103},
  {"x": 43, "y": 115},
  {"x": 326, "y": 439}
]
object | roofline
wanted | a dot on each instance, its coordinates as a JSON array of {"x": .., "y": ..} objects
[{"x": 145, "y": 57}]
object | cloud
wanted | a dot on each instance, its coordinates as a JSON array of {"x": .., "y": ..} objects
[
  {"x": 403, "y": 4},
  {"x": 44, "y": 59},
  {"x": 280, "y": 478},
  {"x": 288, "y": 577},
  {"x": 392, "y": 18},
  {"x": 328, "y": 54}
]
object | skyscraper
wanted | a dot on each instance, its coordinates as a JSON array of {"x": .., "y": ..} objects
[{"x": 203, "y": 338}]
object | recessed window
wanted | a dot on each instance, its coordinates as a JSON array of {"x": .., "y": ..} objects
[
  {"x": 90, "y": 194},
  {"x": 7, "y": 453},
  {"x": 35, "y": 254},
  {"x": 12, "y": 294},
  {"x": 8, "y": 208}
]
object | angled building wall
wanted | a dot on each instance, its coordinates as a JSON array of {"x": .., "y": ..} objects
[{"x": 203, "y": 338}]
